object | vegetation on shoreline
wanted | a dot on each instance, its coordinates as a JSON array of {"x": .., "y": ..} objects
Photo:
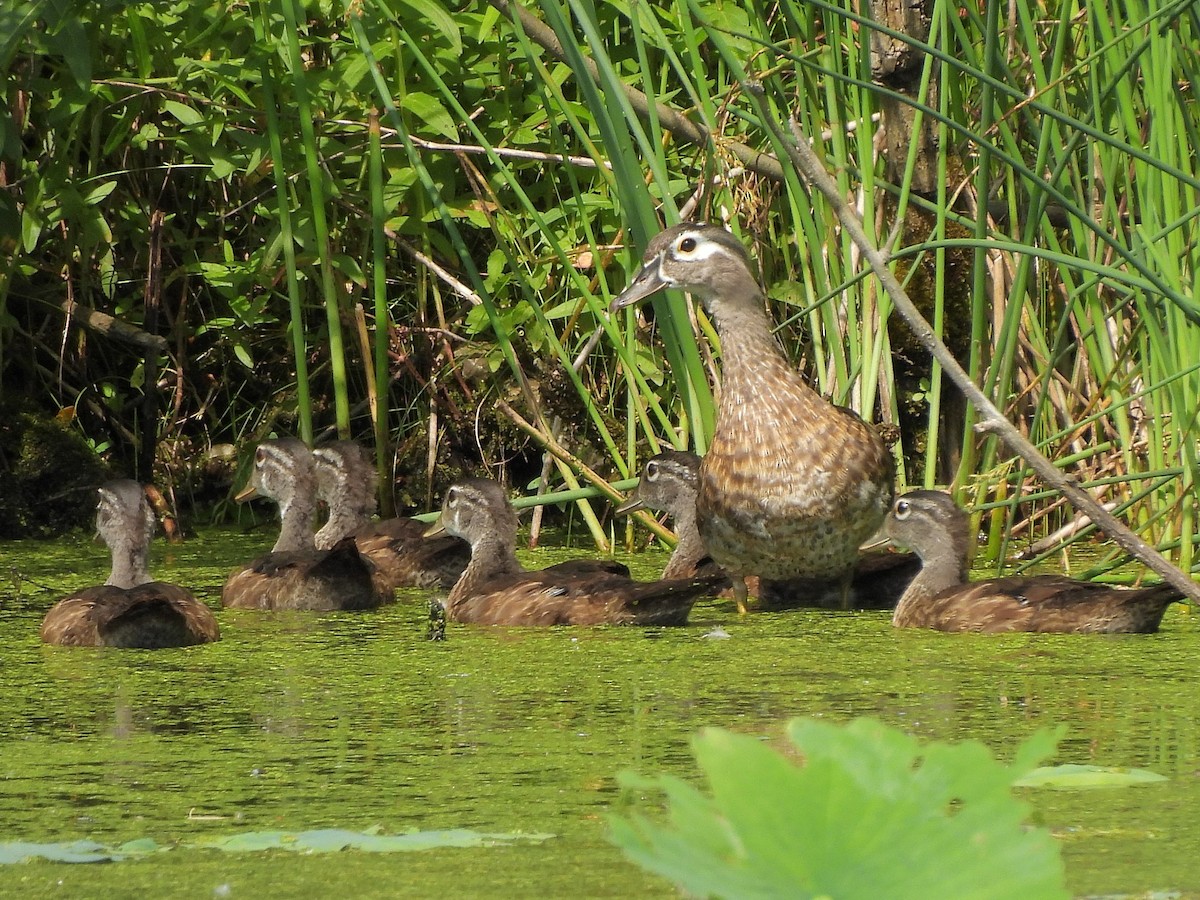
[{"x": 403, "y": 221}]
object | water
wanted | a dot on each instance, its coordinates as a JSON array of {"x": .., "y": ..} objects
[{"x": 305, "y": 721}]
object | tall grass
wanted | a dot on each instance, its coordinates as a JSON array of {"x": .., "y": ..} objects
[{"x": 522, "y": 156}]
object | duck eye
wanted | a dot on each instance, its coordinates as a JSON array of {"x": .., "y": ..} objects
[
  {"x": 260, "y": 457},
  {"x": 651, "y": 470},
  {"x": 903, "y": 508},
  {"x": 687, "y": 245}
]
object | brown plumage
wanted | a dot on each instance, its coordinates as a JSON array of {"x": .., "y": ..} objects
[
  {"x": 942, "y": 597},
  {"x": 791, "y": 485},
  {"x": 668, "y": 484},
  {"x": 129, "y": 610},
  {"x": 496, "y": 590},
  {"x": 401, "y": 554},
  {"x": 295, "y": 575}
]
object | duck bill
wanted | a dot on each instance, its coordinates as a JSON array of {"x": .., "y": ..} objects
[
  {"x": 647, "y": 281},
  {"x": 631, "y": 505},
  {"x": 436, "y": 529},
  {"x": 249, "y": 492}
]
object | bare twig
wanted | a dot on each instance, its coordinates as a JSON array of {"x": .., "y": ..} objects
[{"x": 993, "y": 421}]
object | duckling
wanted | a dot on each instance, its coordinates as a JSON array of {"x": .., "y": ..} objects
[
  {"x": 129, "y": 610},
  {"x": 496, "y": 590},
  {"x": 668, "y": 484},
  {"x": 791, "y": 485},
  {"x": 397, "y": 547},
  {"x": 942, "y": 597},
  {"x": 295, "y": 575}
]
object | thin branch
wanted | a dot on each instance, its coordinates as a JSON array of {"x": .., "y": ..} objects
[{"x": 993, "y": 421}]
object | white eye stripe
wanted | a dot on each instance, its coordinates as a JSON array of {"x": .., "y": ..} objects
[{"x": 703, "y": 249}]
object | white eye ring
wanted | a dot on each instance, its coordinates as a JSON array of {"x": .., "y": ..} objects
[
  {"x": 902, "y": 509},
  {"x": 651, "y": 471},
  {"x": 687, "y": 245}
]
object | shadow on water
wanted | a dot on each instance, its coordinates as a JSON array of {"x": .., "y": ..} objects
[{"x": 305, "y": 721}]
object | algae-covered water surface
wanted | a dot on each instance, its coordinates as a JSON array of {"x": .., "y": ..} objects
[{"x": 499, "y": 748}]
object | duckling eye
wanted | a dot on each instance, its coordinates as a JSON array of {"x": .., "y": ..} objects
[
  {"x": 260, "y": 457},
  {"x": 903, "y": 508},
  {"x": 687, "y": 245},
  {"x": 451, "y": 499},
  {"x": 651, "y": 471}
]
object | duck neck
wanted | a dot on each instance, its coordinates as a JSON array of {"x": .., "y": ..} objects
[
  {"x": 129, "y": 567},
  {"x": 342, "y": 521},
  {"x": 296, "y": 524},
  {"x": 939, "y": 572},
  {"x": 690, "y": 549},
  {"x": 749, "y": 350},
  {"x": 491, "y": 557}
]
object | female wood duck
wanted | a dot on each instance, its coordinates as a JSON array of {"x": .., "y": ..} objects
[
  {"x": 496, "y": 590},
  {"x": 942, "y": 597},
  {"x": 668, "y": 484},
  {"x": 295, "y": 575},
  {"x": 129, "y": 610},
  {"x": 403, "y": 556},
  {"x": 792, "y": 485}
]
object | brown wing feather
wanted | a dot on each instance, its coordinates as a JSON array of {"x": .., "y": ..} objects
[
  {"x": 336, "y": 579},
  {"x": 406, "y": 558},
  {"x": 1047, "y": 603},
  {"x": 149, "y": 616},
  {"x": 548, "y": 597}
]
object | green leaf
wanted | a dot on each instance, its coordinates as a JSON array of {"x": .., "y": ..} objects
[
  {"x": 429, "y": 109},
  {"x": 434, "y": 14},
  {"x": 181, "y": 111},
  {"x": 1073, "y": 777},
  {"x": 870, "y": 813}
]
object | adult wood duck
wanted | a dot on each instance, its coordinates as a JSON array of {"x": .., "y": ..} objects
[
  {"x": 346, "y": 481},
  {"x": 496, "y": 590},
  {"x": 942, "y": 597},
  {"x": 295, "y": 575},
  {"x": 668, "y": 484},
  {"x": 129, "y": 610},
  {"x": 791, "y": 485}
]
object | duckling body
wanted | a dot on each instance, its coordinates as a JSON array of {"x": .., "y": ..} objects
[
  {"x": 295, "y": 575},
  {"x": 129, "y": 610},
  {"x": 668, "y": 484},
  {"x": 792, "y": 485},
  {"x": 402, "y": 555},
  {"x": 496, "y": 589},
  {"x": 941, "y": 596}
]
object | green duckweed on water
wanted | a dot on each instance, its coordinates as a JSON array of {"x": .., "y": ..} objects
[{"x": 305, "y": 723}]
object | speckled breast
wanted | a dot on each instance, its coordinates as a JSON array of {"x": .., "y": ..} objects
[{"x": 792, "y": 498}]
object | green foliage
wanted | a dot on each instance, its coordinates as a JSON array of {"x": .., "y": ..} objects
[
  {"x": 211, "y": 179},
  {"x": 869, "y": 812}
]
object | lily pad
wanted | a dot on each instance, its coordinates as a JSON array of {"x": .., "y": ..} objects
[
  {"x": 81, "y": 851},
  {"x": 333, "y": 840},
  {"x": 1074, "y": 777}
]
